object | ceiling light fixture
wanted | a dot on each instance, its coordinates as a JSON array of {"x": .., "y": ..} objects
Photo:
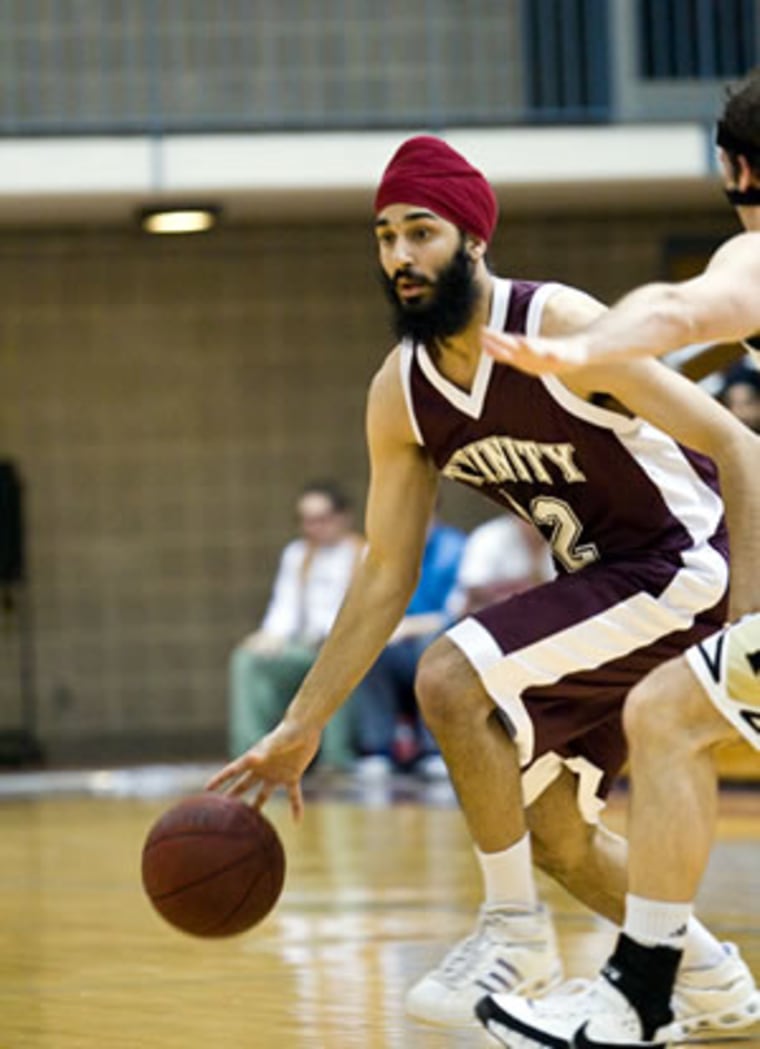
[{"x": 196, "y": 218}]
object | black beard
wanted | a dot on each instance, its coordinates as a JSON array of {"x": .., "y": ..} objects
[{"x": 446, "y": 313}]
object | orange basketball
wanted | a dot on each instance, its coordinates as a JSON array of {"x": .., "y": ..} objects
[{"x": 213, "y": 866}]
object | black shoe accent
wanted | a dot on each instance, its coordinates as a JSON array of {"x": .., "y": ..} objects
[
  {"x": 645, "y": 976},
  {"x": 488, "y": 1012},
  {"x": 582, "y": 1041}
]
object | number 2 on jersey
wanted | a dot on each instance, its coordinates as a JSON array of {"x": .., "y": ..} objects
[{"x": 565, "y": 535}]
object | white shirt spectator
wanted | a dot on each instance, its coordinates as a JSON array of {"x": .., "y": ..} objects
[
  {"x": 502, "y": 557},
  {"x": 308, "y": 590}
]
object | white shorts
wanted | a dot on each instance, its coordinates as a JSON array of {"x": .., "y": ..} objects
[{"x": 727, "y": 665}]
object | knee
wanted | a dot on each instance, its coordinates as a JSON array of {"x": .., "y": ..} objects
[
  {"x": 668, "y": 712},
  {"x": 445, "y": 684},
  {"x": 647, "y": 711}
]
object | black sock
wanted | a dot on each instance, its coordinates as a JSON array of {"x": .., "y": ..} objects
[{"x": 645, "y": 975}]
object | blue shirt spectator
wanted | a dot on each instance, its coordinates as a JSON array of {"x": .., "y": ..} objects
[{"x": 389, "y": 731}]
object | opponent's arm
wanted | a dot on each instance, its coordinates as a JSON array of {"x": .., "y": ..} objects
[
  {"x": 401, "y": 500},
  {"x": 719, "y": 305},
  {"x": 677, "y": 406}
]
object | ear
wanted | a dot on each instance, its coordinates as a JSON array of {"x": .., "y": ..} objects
[
  {"x": 475, "y": 247},
  {"x": 744, "y": 177}
]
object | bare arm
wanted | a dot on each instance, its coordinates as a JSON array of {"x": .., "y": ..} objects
[
  {"x": 678, "y": 407},
  {"x": 720, "y": 305},
  {"x": 403, "y": 484},
  {"x": 401, "y": 500}
]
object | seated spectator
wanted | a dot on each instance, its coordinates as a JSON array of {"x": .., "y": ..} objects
[
  {"x": 267, "y": 666},
  {"x": 389, "y": 731},
  {"x": 503, "y": 556},
  {"x": 740, "y": 393}
]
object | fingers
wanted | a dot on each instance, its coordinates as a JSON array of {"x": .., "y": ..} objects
[
  {"x": 263, "y": 794},
  {"x": 220, "y": 778},
  {"x": 501, "y": 347},
  {"x": 237, "y": 777},
  {"x": 296, "y": 800}
]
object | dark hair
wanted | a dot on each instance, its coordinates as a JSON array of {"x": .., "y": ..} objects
[
  {"x": 741, "y": 119},
  {"x": 740, "y": 374},
  {"x": 331, "y": 490}
]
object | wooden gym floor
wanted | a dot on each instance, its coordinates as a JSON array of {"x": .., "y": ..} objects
[{"x": 380, "y": 882}]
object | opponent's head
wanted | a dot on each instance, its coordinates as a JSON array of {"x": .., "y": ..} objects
[
  {"x": 435, "y": 215},
  {"x": 738, "y": 135}
]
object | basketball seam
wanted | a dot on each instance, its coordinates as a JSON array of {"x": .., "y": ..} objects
[
  {"x": 228, "y": 917},
  {"x": 199, "y": 833},
  {"x": 199, "y": 881}
]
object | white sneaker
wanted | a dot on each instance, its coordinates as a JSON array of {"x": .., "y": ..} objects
[
  {"x": 596, "y": 1015},
  {"x": 510, "y": 950},
  {"x": 373, "y": 767},
  {"x": 431, "y": 767},
  {"x": 721, "y": 999}
]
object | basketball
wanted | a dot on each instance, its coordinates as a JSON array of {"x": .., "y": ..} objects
[{"x": 213, "y": 866}]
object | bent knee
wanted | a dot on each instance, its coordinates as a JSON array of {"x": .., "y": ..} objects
[
  {"x": 446, "y": 685},
  {"x": 669, "y": 708}
]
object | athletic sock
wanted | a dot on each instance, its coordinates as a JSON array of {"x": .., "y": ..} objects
[
  {"x": 655, "y": 923},
  {"x": 508, "y": 875},
  {"x": 645, "y": 976}
]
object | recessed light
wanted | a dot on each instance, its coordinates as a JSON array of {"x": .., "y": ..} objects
[{"x": 184, "y": 219}]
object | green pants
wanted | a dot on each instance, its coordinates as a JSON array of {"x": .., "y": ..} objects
[{"x": 260, "y": 688}]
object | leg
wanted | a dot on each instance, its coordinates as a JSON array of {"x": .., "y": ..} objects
[
  {"x": 338, "y": 749},
  {"x": 480, "y": 756},
  {"x": 671, "y": 727},
  {"x": 260, "y": 688},
  {"x": 513, "y": 946},
  {"x": 376, "y": 705},
  {"x": 587, "y": 859}
]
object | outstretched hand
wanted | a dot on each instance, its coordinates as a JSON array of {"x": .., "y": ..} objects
[
  {"x": 534, "y": 354},
  {"x": 278, "y": 760}
]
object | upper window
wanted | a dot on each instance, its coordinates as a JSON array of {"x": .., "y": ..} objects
[{"x": 696, "y": 39}]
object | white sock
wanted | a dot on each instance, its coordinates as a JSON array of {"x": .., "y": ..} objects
[
  {"x": 654, "y": 923},
  {"x": 508, "y": 875},
  {"x": 701, "y": 950}
]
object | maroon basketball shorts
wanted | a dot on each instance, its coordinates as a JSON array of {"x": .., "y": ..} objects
[{"x": 559, "y": 660}]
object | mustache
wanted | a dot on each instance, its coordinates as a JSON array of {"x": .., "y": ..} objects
[{"x": 410, "y": 275}]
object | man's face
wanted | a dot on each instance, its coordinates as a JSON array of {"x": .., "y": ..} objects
[
  {"x": 319, "y": 522},
  {"x": 427, "y": 273},
  {"x": 743, "y": 401}
]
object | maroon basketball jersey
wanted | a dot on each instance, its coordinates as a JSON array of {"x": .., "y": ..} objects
[{"x": 598, "y": 485}]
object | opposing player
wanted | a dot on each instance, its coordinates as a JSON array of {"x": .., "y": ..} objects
[
  {"x": 524, "y": 697},
  {"x": 678, "y": 714}
]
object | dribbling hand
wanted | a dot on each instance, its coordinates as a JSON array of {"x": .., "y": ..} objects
[{"x": 278, "y": 760}]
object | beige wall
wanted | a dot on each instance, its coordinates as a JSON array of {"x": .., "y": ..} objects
[{"x": 164, "y": 400}]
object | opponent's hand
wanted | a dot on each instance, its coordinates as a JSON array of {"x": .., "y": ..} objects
[
  {"x": 534, "y": 355},
  {"x": 278, "y": 760}
]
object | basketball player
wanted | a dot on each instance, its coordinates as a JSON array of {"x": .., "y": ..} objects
[
  {"x": 524, "y": 697},
  {"x": 675, "y": 716}
]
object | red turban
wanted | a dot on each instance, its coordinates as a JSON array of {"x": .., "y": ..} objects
[{"x": 428, "y": 172}]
